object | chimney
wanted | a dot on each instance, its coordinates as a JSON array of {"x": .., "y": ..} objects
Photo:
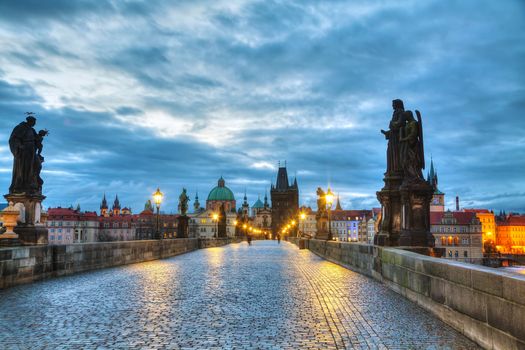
[{"x": 457, "y": 203}]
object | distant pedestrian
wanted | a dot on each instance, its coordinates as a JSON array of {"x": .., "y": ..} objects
[
  {"x": 249, "y": 239},
  {"x": 278, "y": 239}
]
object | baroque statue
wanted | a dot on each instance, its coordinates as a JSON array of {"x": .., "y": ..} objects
[
  {"x": 183, "y": 202},
  {"x": 405, "y": 198},
  {"x": 26, "y": 146}
]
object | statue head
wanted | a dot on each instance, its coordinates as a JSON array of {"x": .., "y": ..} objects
[
  {"x": 398, "y": 104},
  {"x": 409, "y": 116},
  {"x": 31, "y": 121}
]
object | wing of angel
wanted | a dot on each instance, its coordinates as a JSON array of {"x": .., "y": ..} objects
[{"x": 421, "y": 146}]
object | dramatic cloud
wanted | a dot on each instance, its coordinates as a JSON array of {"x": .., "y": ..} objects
[{"x": 140, "y": 94}]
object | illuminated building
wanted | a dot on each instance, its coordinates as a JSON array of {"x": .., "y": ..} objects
[
  {"x": 510, "y": 234},
  {"x": 204, "y": 223},
  {"x": 459, "y": 233},
  {"x": 488, "y": 224}
]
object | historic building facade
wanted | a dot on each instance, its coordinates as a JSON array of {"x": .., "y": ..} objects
[
  {"x": 459, "y": 233},
  {"x": 488, "y": 225},
  {"x": 285, "y": 200},
  {"x": 262, "y": 216},
  {"x": 510, "y": 234},
  {"x": 68, "y": 226},
  {"x": 205, "y": 223}
]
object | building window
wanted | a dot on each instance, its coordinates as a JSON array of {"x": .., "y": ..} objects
[
  {"x": 456, "y": 254},
  {"x": 465, "y": 254},
  {"x": 450, "y": 253},
  {"x": 443, "y": 241}
]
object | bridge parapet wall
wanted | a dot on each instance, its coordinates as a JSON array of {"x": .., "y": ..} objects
[
  {"x": 26, "y": 264},
  {"x": 485, "y": 304}
]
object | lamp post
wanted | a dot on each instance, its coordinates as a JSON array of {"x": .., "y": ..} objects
[
  {"x": 329, "y": 197},
  {"x": 302, "y": 218},
  {"x": 216, "y": 219},
  {"x": 157, "y": 198}
]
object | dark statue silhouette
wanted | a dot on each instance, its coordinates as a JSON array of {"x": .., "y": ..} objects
[
  {"x": 405, "y": 198},
  {"x": 26, "y": 146}
]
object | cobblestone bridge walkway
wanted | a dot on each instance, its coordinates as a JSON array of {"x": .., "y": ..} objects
[{"x": 266, "y": 296}]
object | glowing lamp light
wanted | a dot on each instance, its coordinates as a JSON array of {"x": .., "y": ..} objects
[
  {"x": 215, "y": 216},
  {"x": 157, "y": 197},
  {"x": 244, "y": 226},
  {"x": 234, "y": 222},
  {"x": 302, "y": 216},
  {"x": 329, "y": 197},
  {"x": 293, "y": 222}
]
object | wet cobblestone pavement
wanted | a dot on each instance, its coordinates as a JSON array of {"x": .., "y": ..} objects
[{"x": 266, "y": 296}]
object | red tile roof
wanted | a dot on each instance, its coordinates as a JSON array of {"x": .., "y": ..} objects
[
  {"x": 478, "y": 211},
  {"x": 462, "y": 218},
  {"x": 344, "y": 215}
]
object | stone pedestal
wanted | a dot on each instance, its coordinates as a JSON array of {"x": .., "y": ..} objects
[
  {"x": 322, "y": 226},
  {"x": 182, "y": 226},
  {"x": 415, "y": 215},
  {"x": 390, "y": 199},
  {"x": 29, "y": 228}
]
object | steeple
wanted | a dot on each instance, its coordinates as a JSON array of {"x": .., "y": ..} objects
[
  {"x": 104, "y": 206},
  {"x": 245, "y": 206},
  {"x": 221, "y": 182},
  {"x": 338, "y": 205},
  {"x": 266, "y": 205},
  {"x": 196, "y": 204},
  {"x": 78, "y": 208},
  {"x": 116, "y": 206}
]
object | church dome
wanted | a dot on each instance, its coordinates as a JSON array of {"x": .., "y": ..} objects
[
  {"x": 258, "y": 204},
  {"x": 221, "y": 192}
]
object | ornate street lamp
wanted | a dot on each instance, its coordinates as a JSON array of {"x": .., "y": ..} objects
[
  {"x": 302, "y": 218},
  {"x": 329, "y": 197},
  {"x": 157, "y": 198}
]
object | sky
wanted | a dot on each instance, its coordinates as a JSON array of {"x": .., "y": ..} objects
[{"x": 145, "y": 94}]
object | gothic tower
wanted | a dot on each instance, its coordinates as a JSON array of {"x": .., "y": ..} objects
[
  {"x": 285, "y": 200},
  {"x": 104, "y": 206}
]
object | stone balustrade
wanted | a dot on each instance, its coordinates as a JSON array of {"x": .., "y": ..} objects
[
  {"x": 26, "y": 264},
  {"x": 485, "y": 304}
]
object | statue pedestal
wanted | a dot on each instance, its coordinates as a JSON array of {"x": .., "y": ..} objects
[
  {"x": 29, "y": 228},
  {"x": 390, "y": 199},
  {"x": 182, "y": 226},
  {"x": 415, "y": 215}
]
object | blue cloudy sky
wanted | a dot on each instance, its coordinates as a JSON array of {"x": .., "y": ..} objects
[{"x": 140, "y": 94}]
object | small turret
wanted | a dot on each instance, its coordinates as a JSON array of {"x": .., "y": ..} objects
[{"x": 196, "y": 204}]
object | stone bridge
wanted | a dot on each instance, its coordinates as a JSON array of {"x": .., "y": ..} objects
[{"x": 264, "y": 296}]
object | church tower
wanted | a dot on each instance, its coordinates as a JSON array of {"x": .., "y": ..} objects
[
  {"x": 104, "y": 207},
  {"x": 438, "y": 198},
  {"x": 116, "y": 207},
  {"x": 245, "y": 207},
  {"x": 285, "y": 200},
  {"x": 196, "y": 204}
]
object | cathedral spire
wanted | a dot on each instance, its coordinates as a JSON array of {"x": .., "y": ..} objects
[
  {"x": 196, "y": 204},
  {"x": 338, "y": 205}
]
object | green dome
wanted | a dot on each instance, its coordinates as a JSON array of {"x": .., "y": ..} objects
[
  {"x": 258, "y": 204},
  {"x": 221, "y": 192}
]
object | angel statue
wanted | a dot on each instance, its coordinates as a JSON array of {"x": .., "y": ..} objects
[{"x": 412, "y": 154}]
